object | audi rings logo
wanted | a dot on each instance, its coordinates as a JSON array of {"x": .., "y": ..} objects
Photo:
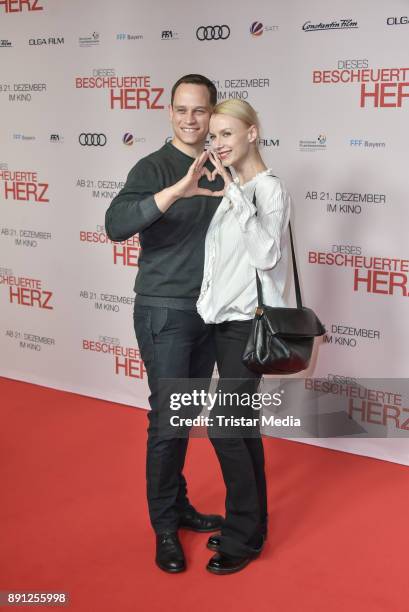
[
  {"x": 92, "y": 140},
  {"x": 213, "y": 32}
]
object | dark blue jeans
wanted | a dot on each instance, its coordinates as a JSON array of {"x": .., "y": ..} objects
[
  {"x": 240, "y": 453},
  {"x": 173, "y": 344}
]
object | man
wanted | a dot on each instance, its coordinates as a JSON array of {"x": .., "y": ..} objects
[{"x": 163, "y": 202}]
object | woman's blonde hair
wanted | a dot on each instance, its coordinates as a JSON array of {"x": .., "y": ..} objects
[{"x": 240, "y": 109}]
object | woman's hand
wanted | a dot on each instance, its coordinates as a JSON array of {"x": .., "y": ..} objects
[{"x": 220, "y": 169}]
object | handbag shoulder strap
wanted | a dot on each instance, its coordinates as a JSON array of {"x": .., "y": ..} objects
[{"x": 295, "y": 271}]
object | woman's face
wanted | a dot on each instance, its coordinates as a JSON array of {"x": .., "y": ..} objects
[{"x": 231, "y": 138}]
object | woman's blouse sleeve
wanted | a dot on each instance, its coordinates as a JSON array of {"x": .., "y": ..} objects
[{"x": 264, "y": 225}]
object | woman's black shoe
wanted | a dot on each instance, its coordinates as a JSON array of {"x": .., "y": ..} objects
[
  {"x": 213, "y": 542},
  {"x": 222, "y": 564},
  {"x": 169, "y": 553}
]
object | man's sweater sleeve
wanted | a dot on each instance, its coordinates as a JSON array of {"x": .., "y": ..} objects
[{"x": 134, "y": 208}]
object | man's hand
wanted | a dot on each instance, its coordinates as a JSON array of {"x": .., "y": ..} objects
[{"x": 188, "y": 186}]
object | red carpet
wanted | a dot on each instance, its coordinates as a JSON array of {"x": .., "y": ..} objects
[{"x": 74, "y": 518}]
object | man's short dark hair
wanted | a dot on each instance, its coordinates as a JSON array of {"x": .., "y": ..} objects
[{"x": 196, "y": 79}]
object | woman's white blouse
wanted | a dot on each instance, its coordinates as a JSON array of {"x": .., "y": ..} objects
[{"x": 242, "y": 238}]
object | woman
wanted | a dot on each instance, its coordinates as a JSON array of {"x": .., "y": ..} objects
[{"x": 248, "y": 233}]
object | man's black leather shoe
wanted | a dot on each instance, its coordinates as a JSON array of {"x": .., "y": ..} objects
[
  {"x": 195, "y": 521},
  {"x": 169, "y": 553},
  {"x": 222, "y": 564}
]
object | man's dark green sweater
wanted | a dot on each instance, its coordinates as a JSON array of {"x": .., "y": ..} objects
[{"x": 172, "y": 257}]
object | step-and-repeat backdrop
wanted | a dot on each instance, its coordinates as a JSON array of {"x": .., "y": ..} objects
[{"x": 84, "y": 94}]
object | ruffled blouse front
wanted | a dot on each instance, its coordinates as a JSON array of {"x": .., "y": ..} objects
[{"x": 241, "y": 239}]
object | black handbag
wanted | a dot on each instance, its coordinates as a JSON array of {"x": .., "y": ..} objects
[{"x": 281, "y": 339}]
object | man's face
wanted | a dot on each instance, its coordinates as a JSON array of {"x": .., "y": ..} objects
[{"x": 190, "y": 115}]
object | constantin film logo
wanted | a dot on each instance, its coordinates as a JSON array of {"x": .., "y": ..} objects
[
  {"x": 20, "y": 6},
  {"x": 336, "y": 24}
]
